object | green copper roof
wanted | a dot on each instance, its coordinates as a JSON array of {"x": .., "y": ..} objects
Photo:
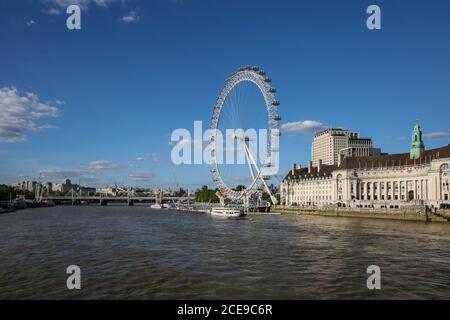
[{"x": 417, "y": 146}]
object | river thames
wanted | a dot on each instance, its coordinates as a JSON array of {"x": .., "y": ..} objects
[{"x": 140, "y": 253}]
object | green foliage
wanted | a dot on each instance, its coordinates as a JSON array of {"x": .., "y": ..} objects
[
  {"x": 206, "y": 195},
  {"x": 239, "y": 188},
  {"x": 7, "y": 192},
  {"x": 266, "y": 197}
]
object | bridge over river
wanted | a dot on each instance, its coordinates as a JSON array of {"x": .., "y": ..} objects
[{"x": 104, "y": 200}]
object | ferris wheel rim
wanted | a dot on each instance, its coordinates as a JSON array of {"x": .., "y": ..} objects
[{"x": 258, "y": 77}]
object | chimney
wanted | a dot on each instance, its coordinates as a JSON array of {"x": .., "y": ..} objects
[
  {"x": 310, "y": 167},
  {"x": 294, "y": 166},
  {"x": 319, "y": 167}
]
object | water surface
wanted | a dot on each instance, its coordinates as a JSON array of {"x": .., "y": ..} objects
[{"x": 139, "y": 253}]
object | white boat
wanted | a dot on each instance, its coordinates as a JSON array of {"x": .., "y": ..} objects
[
  {"x": 156, "y": 206},
  {"x": 226, "y": 212}
]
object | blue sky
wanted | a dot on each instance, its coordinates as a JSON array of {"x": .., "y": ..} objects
[{"x": 99, "y": 104}]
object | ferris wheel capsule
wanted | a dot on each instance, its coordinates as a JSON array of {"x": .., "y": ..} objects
[
  {"x": 277, "y": 117},
  {"x": 258, "y": 77}
]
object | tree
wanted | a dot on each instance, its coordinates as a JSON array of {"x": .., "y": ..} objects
[
  {"x": 206, "y": 195},
  {"x": 266, "y": 197},
  {"x": 7, "y": 193}
]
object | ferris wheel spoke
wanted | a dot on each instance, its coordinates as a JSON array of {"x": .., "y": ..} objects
[{"x": 232, "y": 101}]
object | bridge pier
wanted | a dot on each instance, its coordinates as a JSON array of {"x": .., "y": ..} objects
[{"x": 103, "y": 200}]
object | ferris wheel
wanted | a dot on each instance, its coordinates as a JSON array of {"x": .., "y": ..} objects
[{"x": 261, "y": 170}]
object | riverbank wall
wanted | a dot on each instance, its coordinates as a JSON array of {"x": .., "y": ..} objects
[{"x": 391, "y": 214}]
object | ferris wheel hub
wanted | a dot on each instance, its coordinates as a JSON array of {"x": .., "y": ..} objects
[{"x": 258, "y": 77}]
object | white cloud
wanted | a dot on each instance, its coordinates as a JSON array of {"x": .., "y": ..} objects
[
  {"x": 103, "y": 165},
  {"x": 85, "y": 177},
  {"x": 153, "y": 157},
  {"x": 198, "y": 144},
  {"x": 89, "y": 174},
  {"x": 58, "y": 174},
  {"x": 141, "y": 176},
  {"x": 3, "y": 153},
  {"x": 303, "y": 126},
  {"x": 30, "y": 23},
  {"x": 436, "y": 135},
  {"x": 85, "y": 4},
  {"x": 131, "y": 17},
  {"x": 20, "y": 113},
  {"x": 54, "y": 11}
]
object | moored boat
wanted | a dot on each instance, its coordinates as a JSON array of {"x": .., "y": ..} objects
[{"x": 227, "y": 212}]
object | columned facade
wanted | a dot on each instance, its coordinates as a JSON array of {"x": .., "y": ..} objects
[{"x": 385, "y": 181}]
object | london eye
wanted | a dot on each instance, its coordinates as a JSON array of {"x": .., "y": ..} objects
[{"x": 260, "y": 166}]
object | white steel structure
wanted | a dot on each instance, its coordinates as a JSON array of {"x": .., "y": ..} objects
[{"x": 259, "y": 174}]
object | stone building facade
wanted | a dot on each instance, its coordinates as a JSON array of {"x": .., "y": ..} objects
[
  {"x": 420, "y": 177},
  {"x": 328, "y": 145}
]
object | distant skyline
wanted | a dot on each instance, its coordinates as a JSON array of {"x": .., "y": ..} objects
[{"x": 98, "y": 105}]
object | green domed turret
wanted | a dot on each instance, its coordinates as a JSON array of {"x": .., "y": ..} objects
[{"x": 417, "y": 146}]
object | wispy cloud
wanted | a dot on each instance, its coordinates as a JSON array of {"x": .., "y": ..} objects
[
  {"x": 131, "y": 17},
  {"x": 30, "y": 23},
  {"x": 85, "y": 177},
  {"x": 103, "y": 165},
  {"x": 436, "y": 135},
  {"x": 141, "y": 176},
  {"x": 198, "y": 144},
  {"x": 58, "y": 174},
  {"x": 153, "y": 157},
  {"x": 82, "y": 3},
  {"x": 303, "y": 126},
  {"x": 90, "y": 173},
  {"x": 20, "y": 113},
  {"x": 3, "y": 153},
  {"x": 54, "y": 11}
]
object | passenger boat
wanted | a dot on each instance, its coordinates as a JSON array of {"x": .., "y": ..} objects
[
  {"x": 156, "y": 206},
  {"x": 227, "y": 212}
]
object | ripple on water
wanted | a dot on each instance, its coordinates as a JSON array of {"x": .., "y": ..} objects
[{"x": 148, "y": 254}]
